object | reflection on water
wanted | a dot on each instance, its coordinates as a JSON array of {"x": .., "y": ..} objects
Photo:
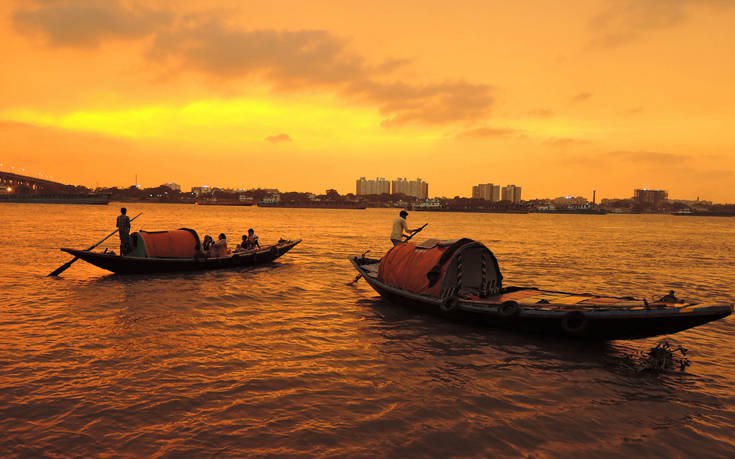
[{"x": 287, "y": 359}]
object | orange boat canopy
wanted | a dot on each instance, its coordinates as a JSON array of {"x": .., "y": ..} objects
[
  {"x": 181, "y": 243},
  {"x": 442, "y": 269}
]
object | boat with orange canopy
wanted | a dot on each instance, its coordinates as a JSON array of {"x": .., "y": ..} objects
[
  {"x": 461, "y": 279},
  {"x": 177, "y": 250}
]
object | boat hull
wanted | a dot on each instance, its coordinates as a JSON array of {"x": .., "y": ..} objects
[
  {"x": 139, "y": 265},
  {"x": 602, "y": 323}
]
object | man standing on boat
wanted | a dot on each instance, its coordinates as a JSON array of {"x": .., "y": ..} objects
[
  {"x": 400, "y": 228},
  {"x": 123, "y": 226}
]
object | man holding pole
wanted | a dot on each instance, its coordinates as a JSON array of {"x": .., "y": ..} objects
[
  {"x": 123, "y": 226},
  {"x": 400, "y": 228}
]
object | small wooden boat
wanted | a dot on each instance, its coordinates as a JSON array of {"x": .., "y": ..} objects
[
  {"x": 461, "y": 279},
  {"x": 180, "y": 250}
]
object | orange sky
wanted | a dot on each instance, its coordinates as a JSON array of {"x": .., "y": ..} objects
[{"x": 608, "y": 95}]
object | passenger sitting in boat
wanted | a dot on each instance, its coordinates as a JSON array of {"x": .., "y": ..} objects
[
  {"x": 243, "y": 246},
  {"x": 252, "y": 241},
  {"x": 207, "y": 245},
  {"x": 219, "y": 248}
]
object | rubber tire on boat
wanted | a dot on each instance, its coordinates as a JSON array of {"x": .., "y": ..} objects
[
  {"x": 274, "y": 251},
  {"x": 508, "y": 308},
  {"x": 574, "y": 323},
  {"x": 449, "y": 304}
]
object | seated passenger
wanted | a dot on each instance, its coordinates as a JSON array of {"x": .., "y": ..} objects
[
  {"x": 207, "y": 245},
  {"x": 243, "y": 246},
  {"x": 253, "y": 242},
  {"x": 219, "y": 248}
]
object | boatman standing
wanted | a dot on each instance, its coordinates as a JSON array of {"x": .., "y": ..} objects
[
  {"x": 123, "y": 226},
  {"x": 400, "y": 229}
]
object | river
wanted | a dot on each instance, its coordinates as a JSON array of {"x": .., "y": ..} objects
[{"x": 289, "y": 360}]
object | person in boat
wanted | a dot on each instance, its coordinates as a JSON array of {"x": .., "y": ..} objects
[
  {"x": 207, "y": 245},
  {"x": 253, "y": 242},
  {"x": 219, "y": 248},
  {"x": 243, "y": 245},
  {"x": 123, "y": 227},
  {"x": 400, "y": 228}
]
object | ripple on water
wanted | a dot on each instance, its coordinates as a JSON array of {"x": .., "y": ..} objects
[{"x": 287, "y": 359}]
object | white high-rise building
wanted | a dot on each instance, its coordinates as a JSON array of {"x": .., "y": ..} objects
[
  {"x": 378, "y": 186},
  {"x": 486, "y": 191},
  {"x": 416, "y": 188},
  {"x": 512, "y": 193}
]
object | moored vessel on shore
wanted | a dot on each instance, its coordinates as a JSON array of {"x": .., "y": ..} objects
[
  {"x": 461, "y": 279},
  {"x": 84, "y": 198},
  {"x": 316, "y": 205}
]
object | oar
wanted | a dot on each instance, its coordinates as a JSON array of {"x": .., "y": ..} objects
[
  {"x": 416, "y": 232},
  {"x": 66, "y": 265}
]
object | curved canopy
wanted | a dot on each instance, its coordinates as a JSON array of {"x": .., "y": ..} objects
[
  {"x": 442, "y": 268},
  {"x": 181, "y": 243}
]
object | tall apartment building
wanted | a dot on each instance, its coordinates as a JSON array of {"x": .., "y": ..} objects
[
  {"x": 650, "y": 198},
  {"x": 486, "y": 191},
  {"x": 378, "y": 186},
  {"x": 511, "y": 193},
  {"x": 416, "y": 188}
]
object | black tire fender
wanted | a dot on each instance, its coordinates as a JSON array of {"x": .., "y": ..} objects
[
  {"x": 449, "y": 304},
  {"x": 509, "y": 308},
  {"x": 274, "y": 251},
  {"x": 574, "y": 323}
]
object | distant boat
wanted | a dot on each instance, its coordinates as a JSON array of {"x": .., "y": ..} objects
[
  {"x": 84, "y": 198},
  {"x": 461, "y": 279},
  {"x": 178, "y": 250},
  {"x": 704, "y": 213},
  {"x": 570, "y": 210},
  {"x": 224, "y": 202},
  {"x": 476, "y": 210},
  {"x": 316, "y": 204}
]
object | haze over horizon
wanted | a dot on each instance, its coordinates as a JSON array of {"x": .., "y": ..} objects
[{"x": 609, "y": 95}]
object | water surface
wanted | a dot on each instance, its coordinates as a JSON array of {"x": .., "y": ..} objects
[{"x": 287, "y": 359}]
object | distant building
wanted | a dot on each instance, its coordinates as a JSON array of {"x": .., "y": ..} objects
[
  {"x": 200, "y": 190},
  {"x": 416, "y": 188},
  {"x": 653, "y": 199},
  {"x": 173, "y": 186},
  {"x": 511, "y": 193},
  {"x": 378, "y": 186},
  {"x": 486, "y": 191},
  {"x": 273, "y": 198}
]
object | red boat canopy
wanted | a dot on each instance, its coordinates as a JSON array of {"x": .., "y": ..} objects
[
  {"x": 181, "y": 243},
  {"x": 442, "y": 268}
]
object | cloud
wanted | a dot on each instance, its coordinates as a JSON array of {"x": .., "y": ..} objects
[
  {"x": 484, "y": 132},
  {"x": 278, "y": 138},
  {"x": 654, "y": 158},
  {"x": 633, "y": 111},
  {"x": 288, "y": 60},
  {"x": 292, "y": 60},
  {"x": 622, "y": 21},
  {"x": 436, "y": 103},
  {"x": 581, "y": 97},
  {"x": 87, "y": 23}
]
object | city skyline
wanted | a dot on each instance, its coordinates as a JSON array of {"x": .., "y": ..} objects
[{"x": 632, "y": 94}]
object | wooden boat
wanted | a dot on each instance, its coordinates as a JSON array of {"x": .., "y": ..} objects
[
  {"x": 461, "y": 279},
  {"x": 179, "y": 250}
]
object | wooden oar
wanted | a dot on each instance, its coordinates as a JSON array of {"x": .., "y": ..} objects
[
  {"x": 416, "y": 232},
  {"x": 66, "y": 265}
]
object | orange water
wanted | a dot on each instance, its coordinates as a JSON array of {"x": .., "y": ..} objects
[{"x": 287, "y": 359}]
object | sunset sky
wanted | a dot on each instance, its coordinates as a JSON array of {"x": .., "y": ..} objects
[{"x": 558, "y": 97}]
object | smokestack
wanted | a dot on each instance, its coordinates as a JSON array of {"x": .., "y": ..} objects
[{"x": 594, "y": 196}]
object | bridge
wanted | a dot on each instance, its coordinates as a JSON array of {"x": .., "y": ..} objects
[{"x": 13, "y": 181}]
